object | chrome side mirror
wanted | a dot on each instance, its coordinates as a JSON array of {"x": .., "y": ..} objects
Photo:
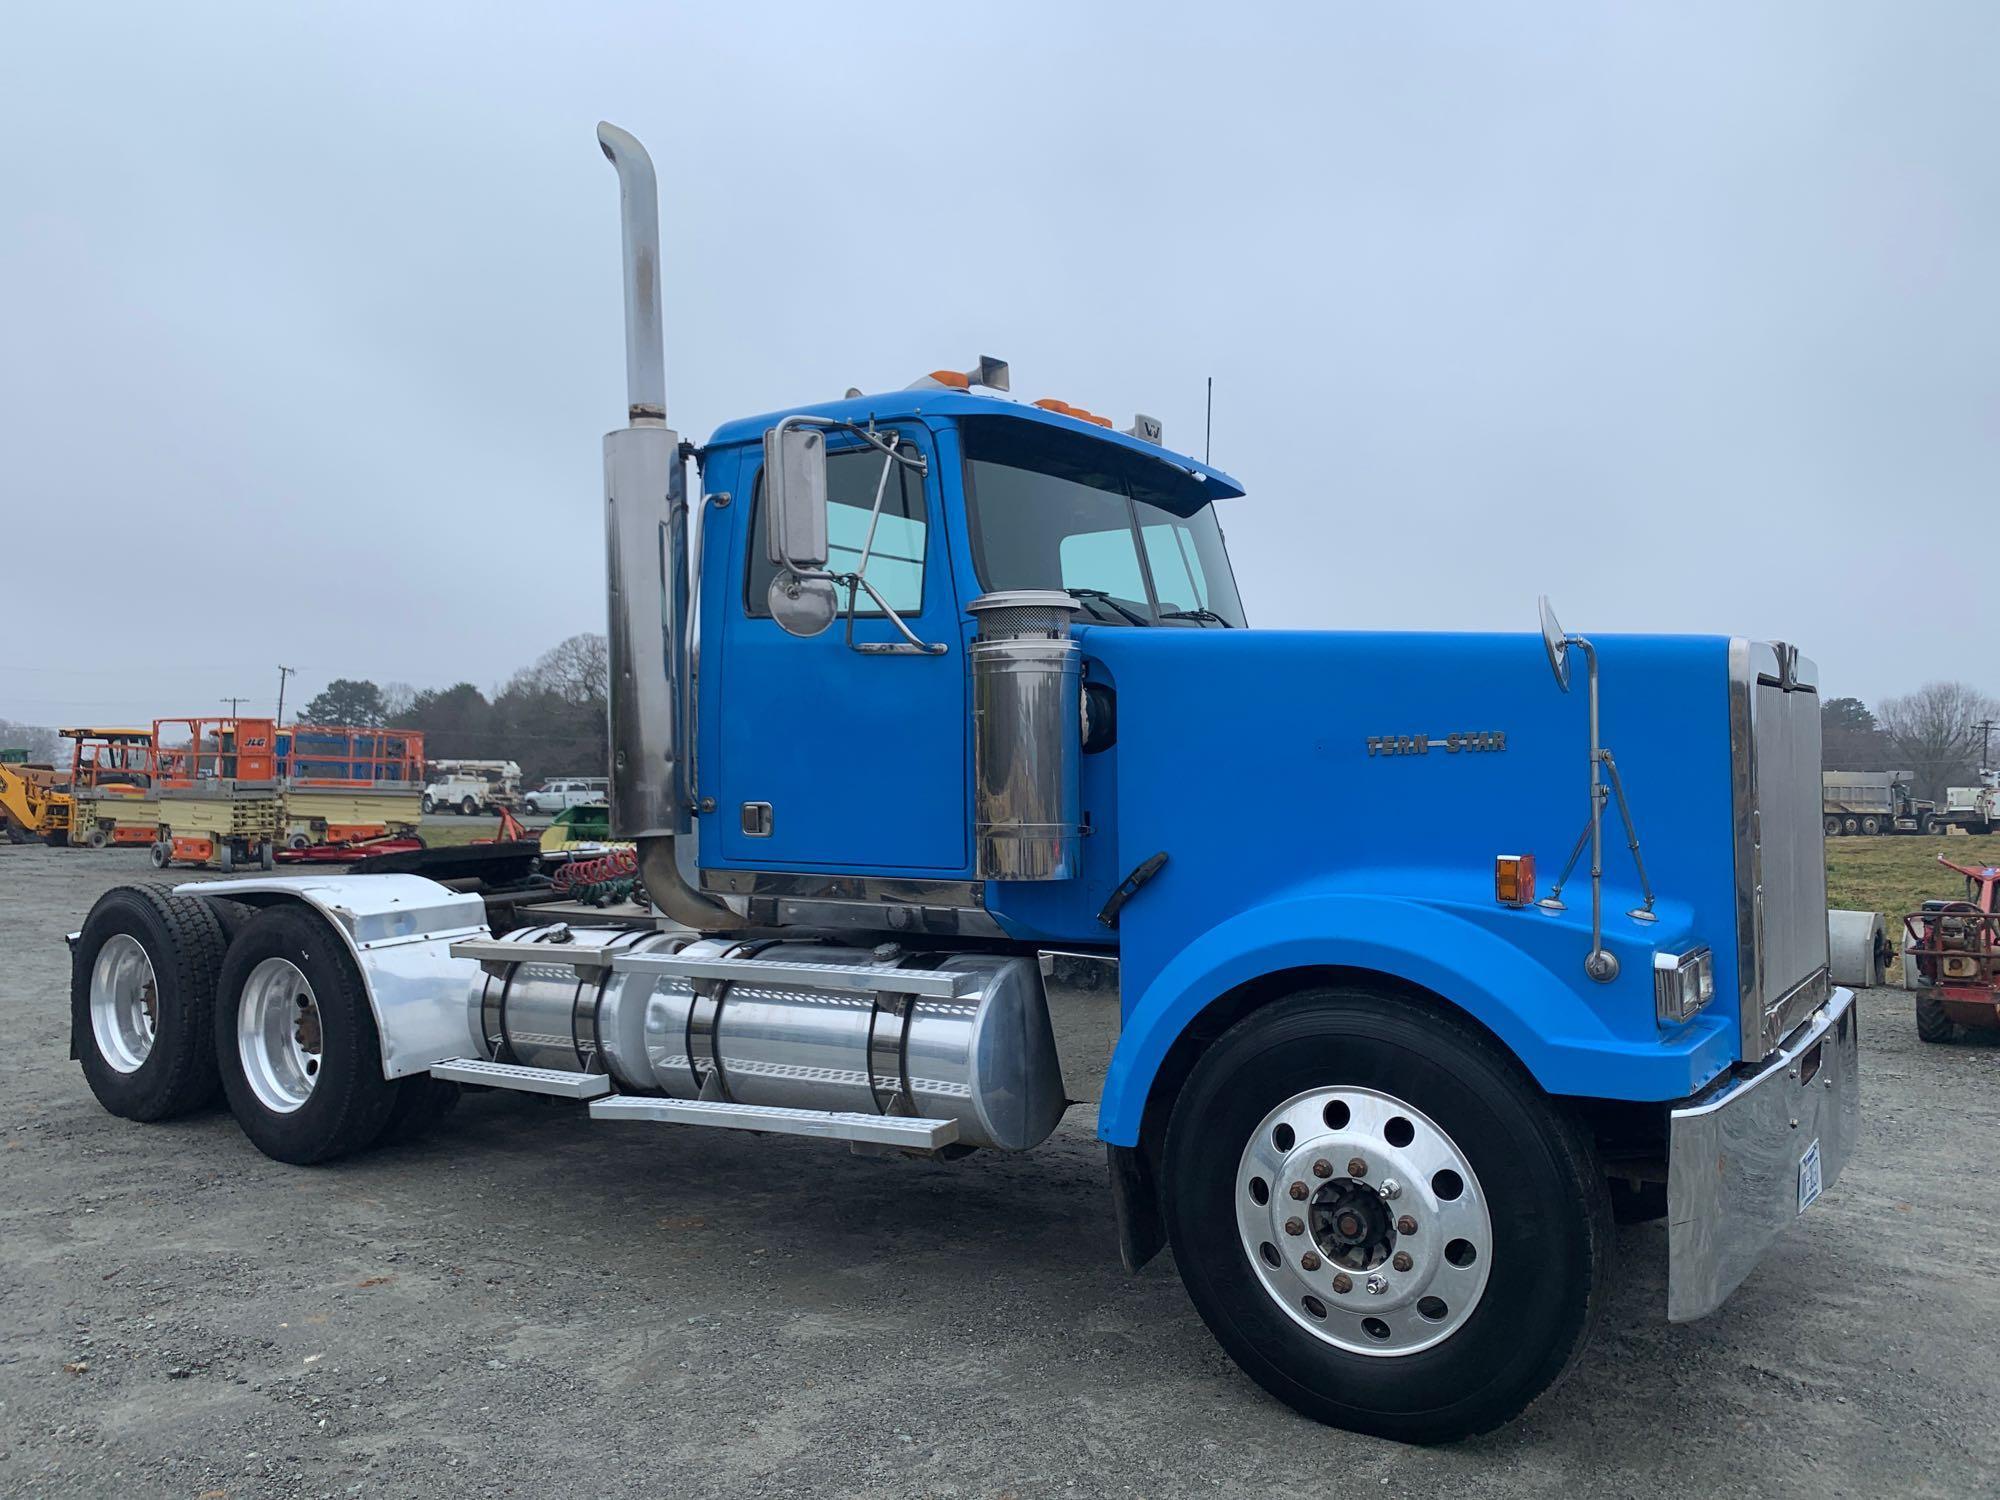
[
  {"x": 795, "y": 497},
  {"x": 1556, "y": 643}
]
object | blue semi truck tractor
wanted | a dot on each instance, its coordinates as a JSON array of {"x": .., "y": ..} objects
[{"x": 919, "y": 697}]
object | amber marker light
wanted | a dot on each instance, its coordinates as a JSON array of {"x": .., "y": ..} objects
[{"x": 1514, "y": 879}]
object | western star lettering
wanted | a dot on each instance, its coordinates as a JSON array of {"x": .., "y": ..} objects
[{"x": 1424, "y": 744}]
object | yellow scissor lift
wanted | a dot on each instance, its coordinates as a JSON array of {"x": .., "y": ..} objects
[{"x": 218, "y": 792}]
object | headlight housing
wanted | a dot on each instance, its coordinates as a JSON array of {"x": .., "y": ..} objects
[{"x": 1682, "y": 984}]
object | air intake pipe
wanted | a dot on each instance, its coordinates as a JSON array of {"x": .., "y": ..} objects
[{"x": 645, "y": 528}]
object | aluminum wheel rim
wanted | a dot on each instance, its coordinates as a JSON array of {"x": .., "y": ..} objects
[
  {"x": 1409, "y": 1287},
  {"x": 124, "y": 1002},
  {"x": 278, "y": 1035}
]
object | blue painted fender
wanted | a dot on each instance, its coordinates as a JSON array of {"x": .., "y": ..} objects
[{"x": 1569, "y": 1046}]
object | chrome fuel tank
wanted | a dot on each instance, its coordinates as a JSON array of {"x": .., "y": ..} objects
[{"x": 986, "y": 1059}]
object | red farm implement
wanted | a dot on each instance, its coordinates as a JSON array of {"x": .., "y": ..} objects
[{"x": 1951, "y": 956}]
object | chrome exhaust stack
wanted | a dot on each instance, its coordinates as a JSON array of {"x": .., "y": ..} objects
[{"x": 645, "y": 528}]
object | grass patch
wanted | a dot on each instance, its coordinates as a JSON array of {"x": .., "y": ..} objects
[
  {"x": 438, "y": 835},
  {"x": 1897, "y": 873}
]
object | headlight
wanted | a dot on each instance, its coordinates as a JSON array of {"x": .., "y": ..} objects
[{"x": 1682, "y": 984}]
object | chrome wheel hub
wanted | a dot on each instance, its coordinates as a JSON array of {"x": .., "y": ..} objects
[
  {"x": 278, "y": 1035},
  {"x": 1364, "y": 1221},
  {"x": 124, "y": 1002}
]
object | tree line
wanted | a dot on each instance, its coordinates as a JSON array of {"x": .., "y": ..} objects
[
  {"x": 1943, "y": 734},
  {"x": 550, "y": 717}
]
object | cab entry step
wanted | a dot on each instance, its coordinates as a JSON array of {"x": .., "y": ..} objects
[
  {"x": 881, "y": 1130},
  {"x": 495, "y": 1075}
]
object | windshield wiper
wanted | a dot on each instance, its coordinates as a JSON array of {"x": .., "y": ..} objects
[
  {"x": 1203, "y": 615},
  {"x": 1087, "y": 595}
]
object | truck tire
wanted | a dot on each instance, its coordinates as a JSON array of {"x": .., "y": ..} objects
[
  {"x": 1850, "y": 826},
  {"x": 295, "y": 1040},
  {"x": 430, "y": 806},
  {"x": 1871, "y": 826},
  {"x": 470, "y": 807},
  {"x": 1425, "y": 1316},
  {"x": 142, "y": 998},
  {"x": 1832, "y": 827},
  {"x": 421, "y": 1106},
  {"x": 1933, "y": 1025}
]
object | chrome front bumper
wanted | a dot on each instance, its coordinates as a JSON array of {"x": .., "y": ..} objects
[{"x": 1736, "y": 1157}]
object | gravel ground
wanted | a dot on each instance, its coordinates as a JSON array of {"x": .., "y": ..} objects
[{"x": 529, "y": 1304}]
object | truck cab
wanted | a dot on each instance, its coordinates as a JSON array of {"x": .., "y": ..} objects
[{"x": 1432, "y": 953}]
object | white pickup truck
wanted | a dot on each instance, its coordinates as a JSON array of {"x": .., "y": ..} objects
[{"x": 571, "y": 791}]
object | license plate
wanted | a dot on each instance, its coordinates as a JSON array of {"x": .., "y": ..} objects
[{"x": 1809, "y": 1177}]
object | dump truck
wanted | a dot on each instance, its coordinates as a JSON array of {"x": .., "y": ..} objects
[
  {"x": 1872, "y": 802},
  {"x": 920, "y": 698}
]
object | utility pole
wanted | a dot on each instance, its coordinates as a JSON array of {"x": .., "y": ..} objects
[
  {"x": 283, "y": 673},
  {"x": 1985, "y": 727},
  {"x": 232, "y": 702}
]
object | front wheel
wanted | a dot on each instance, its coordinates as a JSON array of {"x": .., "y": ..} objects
[
  {"x": 1381, "y": 1218},
  {"x": 430, "y": 806}
]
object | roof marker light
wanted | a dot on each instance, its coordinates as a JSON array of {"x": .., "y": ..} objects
[{"x": 1063, "y": 408}]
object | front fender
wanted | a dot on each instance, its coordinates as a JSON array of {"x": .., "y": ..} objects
[{"x": 1545, "y": 1022}]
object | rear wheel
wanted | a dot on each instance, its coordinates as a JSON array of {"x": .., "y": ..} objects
[
  {"x": 97, "y": 838},
  {"x": 1381, "y": 1218},
  {"x": 1850, "y": 826},
  {"x": 142, "y": 997},
  {"x": 421, "y": 1106},
  {"x": 163, "y": 855},
  {"x": 1832, "y": 827},
  {"x": 1933, "y": 1025},
  {"x": 470, "y": 806},
  {"x": 1871, "y": 826},
  {"x": 267, "y": 856},
  {"x": 300, "y": 1057}
]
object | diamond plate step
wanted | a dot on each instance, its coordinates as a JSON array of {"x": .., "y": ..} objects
[
  {"x": 883, "y": 1130},
  {"x": 495, "y": 1075}
]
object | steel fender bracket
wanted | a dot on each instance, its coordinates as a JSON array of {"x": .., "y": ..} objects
[
  {"x": 399, "y": 930},
  {"x": 1742, "y": 1159}
]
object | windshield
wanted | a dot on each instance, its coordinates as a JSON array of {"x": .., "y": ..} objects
[{"x": 1054, "y": 510}]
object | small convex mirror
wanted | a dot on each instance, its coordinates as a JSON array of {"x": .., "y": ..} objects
[
  {"x": 1556, "y": 643},
  {"x": 795, "y": 497}
]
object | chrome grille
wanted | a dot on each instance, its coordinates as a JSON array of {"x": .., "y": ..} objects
[{"x": 1780, "y": 845}]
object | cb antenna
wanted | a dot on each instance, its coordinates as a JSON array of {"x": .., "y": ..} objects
[{"x": 1208, "y": 422}]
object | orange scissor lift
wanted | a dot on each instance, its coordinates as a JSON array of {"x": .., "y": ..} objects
[
  {"x": 340, "y": 784},
  {"x": 217, "y": 780},
  {"x": 113, "y": 799}
]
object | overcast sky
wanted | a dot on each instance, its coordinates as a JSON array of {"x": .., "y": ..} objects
[{"x": 1688, "y": 315}]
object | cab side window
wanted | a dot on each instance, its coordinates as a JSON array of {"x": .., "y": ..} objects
[{"x": 896, "y": 554}]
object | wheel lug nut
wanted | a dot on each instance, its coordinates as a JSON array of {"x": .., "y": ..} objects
[
  {"x": 1406, "y": 1225},
  {"x": 1322, "y": 1168},
  {"x": 1343, "y": 1283},
  {"x": 1295, "y": 1226},
  {"x": 1309, "y": 1261},
  {"x": 1357, "y": 1168},
  {"x": 1402, "y": 1262},
  {"x": 1299, "y": 1190},
  {"x": 1377, "y": 1285}
]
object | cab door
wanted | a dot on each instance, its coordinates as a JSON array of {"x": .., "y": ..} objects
[{"x": 829, "y": 758}]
